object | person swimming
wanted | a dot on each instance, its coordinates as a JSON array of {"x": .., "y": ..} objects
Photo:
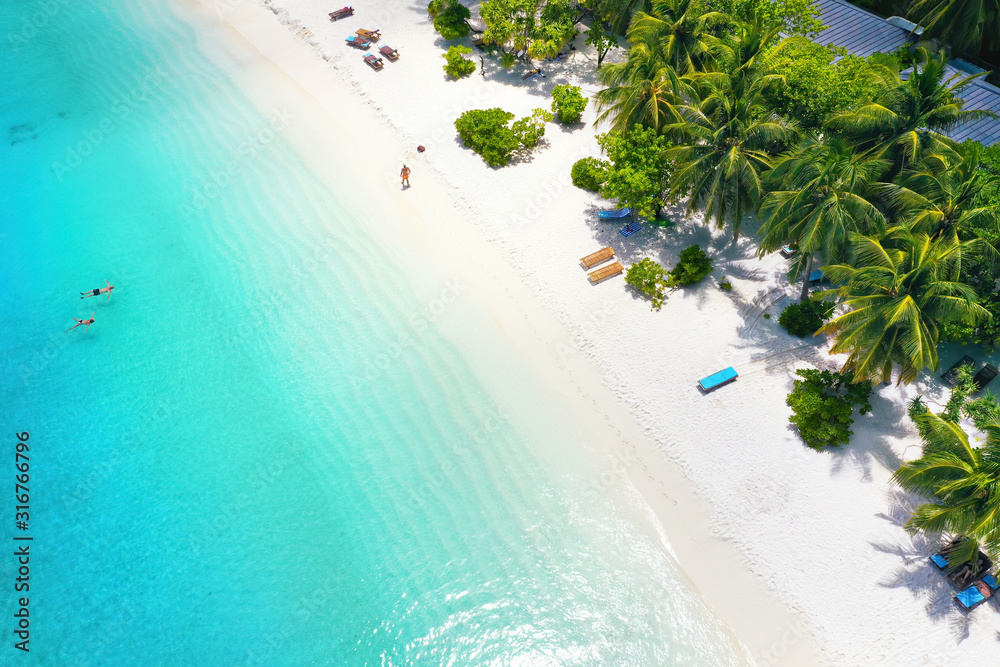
[
  {"x": 85, "y": 322},
  {"x": 96, "y": 292}
]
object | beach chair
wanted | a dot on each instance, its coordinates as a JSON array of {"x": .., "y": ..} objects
[
  {"x": 531, "y": 74},
  {"x": 939, "y": 561},
  {"x": 815, "y": 276},
  {"x": 376, "y": 63},
  {"x": 617, "y": 214},
  {"x": 341, "y": 13},
  {"x": 606, "y": 272},
  {"x": 631, "y": 228},
  {"x": 950, "y": 376},
  {"x": 973, "y": 596},
  {"x": 788, "y": 251},
  {"x": 984, "y": 377},
  {"x": 359, "y": 42},
  {"x": 716, "y": 380},
  {"x": 991, "y": 581},
  {"x": 373, "y": 35},
  {"x": 389, "y": 52},
  {"x": 593, "y": 259}
]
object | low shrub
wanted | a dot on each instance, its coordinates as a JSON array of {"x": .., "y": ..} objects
[
  {"x": 589, "y": 173},
  {"x": 507, "y": 60},
  {"x": 647, "y": 277},
  {"x": 568, "y": 103},
  {"x": 450, "y": 18},
  {"x": 822, "y": 405},
  {"x": 805, "y": 318},
  {"x": 530, "y": 129},
  {"x": 694, "y": 265},
  {"x": 457, "y": 66},
  {"x": 485, "y": 131},
  {"x": 726, "y": 285}
]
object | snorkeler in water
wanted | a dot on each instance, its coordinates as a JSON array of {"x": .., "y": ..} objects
[
  {"x": 96, "y": 292},
  {"x": 85, "y": 322}
]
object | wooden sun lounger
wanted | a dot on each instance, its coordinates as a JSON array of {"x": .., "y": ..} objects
[
  {"x": 606, "y": 272},
  {"x": 341, "y": 13},
  {"x": 389, "y": 52},
  {"x": 368, "y": 34},
  {"x": 359, "y": 42},
  {"x": 376, "y": 63},
  {"x": 595, "y": 258},
  {"x": 985, "y": 376}
]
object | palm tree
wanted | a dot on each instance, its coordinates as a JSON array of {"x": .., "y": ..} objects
[
  {"x": 901, "y": 290},
  {"x": 729, "y": 135},
  {"x": 964, "y": 482},
  {"x": 821, "y": 203},
  {"x": 678, "y": 31},
  {"x": 643, "y": 89},
  {"x": 968, "y": 25},
  {"x": 905, "y": 123},
  {"x": 939, "y": 197}
]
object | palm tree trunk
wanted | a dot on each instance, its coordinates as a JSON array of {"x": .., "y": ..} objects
[{"x": 805, "y": 278}]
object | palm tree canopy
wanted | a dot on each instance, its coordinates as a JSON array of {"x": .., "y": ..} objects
[
  {"x": 643, "y": 89},
  {"x": 962, "y": 480},
  {"x": 968, "y": 25},
  {"x": 901, "y": 289},
  {"x": 677, "y": 30}
]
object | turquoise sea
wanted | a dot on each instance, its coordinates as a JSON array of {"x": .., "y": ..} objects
[{"x": 266, "y": 450}]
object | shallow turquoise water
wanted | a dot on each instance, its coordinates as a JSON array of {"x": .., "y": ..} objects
[{"x": 230, "y": 467}]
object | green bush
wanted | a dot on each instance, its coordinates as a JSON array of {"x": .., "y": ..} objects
[
  {"x": 457, "y": 66},
  {"x": 589, "y": 173},
  {"x": 568, "y": 103},
  {"x": 647, "y": 277},
  {"x": 726, "y": 285},
  {"x": 507, "y": 60},
  {"x": 805, "y": 318},
  {"x": 694, "y": 265},
  {"x": 450, "y": 18},
  {"x": 530, "y": 129},
  {"x": 485, "y": 131},
  {"x": 822, "y": 405},
  {"x": 637, "y": 174}
]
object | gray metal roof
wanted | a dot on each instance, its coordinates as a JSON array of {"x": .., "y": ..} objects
[{"x": 863, "y": 33}]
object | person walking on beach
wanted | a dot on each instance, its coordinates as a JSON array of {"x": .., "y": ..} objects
[
  {"x": 84, "y": 322},
  {"x": 90, "y": 293},
  {"x": 404, "y": 173}
]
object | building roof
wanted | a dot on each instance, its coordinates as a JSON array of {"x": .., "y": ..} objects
[{"x": 863, "y": 33}]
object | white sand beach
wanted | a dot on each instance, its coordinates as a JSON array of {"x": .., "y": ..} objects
[{"x": 802, "y": 553}]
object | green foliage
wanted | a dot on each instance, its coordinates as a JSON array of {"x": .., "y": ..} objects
[
  {"x": 485, "y": 131},
  {"x": 815, "y": 87},
  {"x": 647, "y": 277},
  {"x": 530, "y": 129},
  {"x": 822, "y": 405},
  {"x": 507, "y": 60},
  {"x": 694, "y": 265},
  {"x": 568, "y": 103},
  {"x": 963, "y": 389},
  {"x": 600, "y": 39},
  {"x": 458, "y": 66},
  {"x": 796, "y": 17},
  {"x": 806, "y": 317},
  {"x": 589, "y": 173},
  {"x": 726, "y": 285},
  {"x": 983, "y": 410},
  {"x": 637, "y": 173},
  {"x": 450, "y": 18},
  {"x": 514, "y": 25}
]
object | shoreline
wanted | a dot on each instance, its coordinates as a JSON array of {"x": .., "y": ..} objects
[
  {"x": 811, "y": 544},
  {"x": 760, "y": 621}
]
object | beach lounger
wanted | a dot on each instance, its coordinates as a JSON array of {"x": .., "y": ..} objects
[
  {"x": 617, "y": 214},
  {"x": 376, "y": 63},
  {"x": 359, "y": 42},
  {"x": 991, "y": 581},
  {"x": 815, "y": 277},
  {"x": 716, "y": 380},
  {"x": 593, "y": 259},
  {"x": 532, "y": 73},
  {"x": 631, "y": 228},
  {"x": 939, "y": 561},
  {"x": 788, "y": 251},
  {"x": 606, "y": 272},
  {"x": 373, "y": 35},
  {"x": 984, "y": 377},
  {"x": 965, "y": 575},
  {"x": 341, "y": 13},
  {"x": 389, "y": 52},
  {"x": 950, "y": 376},
  {"x": 973, "y": 596}
]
